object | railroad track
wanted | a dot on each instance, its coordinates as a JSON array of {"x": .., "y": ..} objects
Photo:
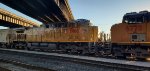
[
  {"x": 100, "y": 56},
  {"x": 110, "y": 56},
  {"x": 18, "y": 64},
  {"x": 85, "y": 60}
]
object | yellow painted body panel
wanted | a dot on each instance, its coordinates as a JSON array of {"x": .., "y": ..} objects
[
  {"x": 121, "y": 33},
  {"x": 78, "y": 34}
]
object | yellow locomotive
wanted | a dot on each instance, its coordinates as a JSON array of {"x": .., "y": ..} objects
[
  {"x": 131, "y": 38},
  {"x": 77, "y": 36}
]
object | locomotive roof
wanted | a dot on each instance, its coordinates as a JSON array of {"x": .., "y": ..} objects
[
  {"x": 134, "y": 17},
  {"x": 135, "y": 14}
]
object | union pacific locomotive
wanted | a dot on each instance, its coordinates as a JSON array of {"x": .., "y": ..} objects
[
  {"x": 131, "y": 38},
  {"x": 76, "y": 36}
]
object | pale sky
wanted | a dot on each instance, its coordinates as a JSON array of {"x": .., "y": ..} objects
[
  {"x": 102, "y": 13},
  {"x": 105, "y": 13}
]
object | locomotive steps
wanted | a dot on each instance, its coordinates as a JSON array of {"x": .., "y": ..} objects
[{"x": 91, "y": 61}]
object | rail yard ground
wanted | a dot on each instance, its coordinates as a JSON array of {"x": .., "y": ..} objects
[
  {"x": 64, "y": 62},
  {"x": 8, "y": 65}
]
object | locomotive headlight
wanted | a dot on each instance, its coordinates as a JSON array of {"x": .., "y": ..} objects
[
  {"x": 148, "y": 59},
  {"x": 148, "y": 50}
]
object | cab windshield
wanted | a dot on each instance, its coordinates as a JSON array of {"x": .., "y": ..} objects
[{"x": 136, "y": 18}]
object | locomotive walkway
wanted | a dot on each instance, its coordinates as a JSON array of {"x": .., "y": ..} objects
[{"x": 63, "y": 62}]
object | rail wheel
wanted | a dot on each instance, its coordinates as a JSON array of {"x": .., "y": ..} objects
[
  {"x": 4, "y": 46},
  {"x": 68, "y": 51},
  {"x": 80, "y": 52},
  {"x": 19, "y": 46}
]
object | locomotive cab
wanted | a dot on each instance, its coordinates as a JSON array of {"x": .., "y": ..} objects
[
  {"x": 131, "y": 38},
  {"x": 20, "y": 38},
  {"x": 135, "y": 18}
]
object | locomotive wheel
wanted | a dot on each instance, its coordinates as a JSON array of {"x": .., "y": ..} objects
[
  {"x": 16, "y": 47},
  {"x": 23, "y": 47},
  {"x": 4, "y": 46},
  {"x": 12, "y": 46},
  {"x": 80, "y": 52},
  {"x": 131, "y": 56},
  {"x": 68, "y": 51},
  {"x": 19, "y": 46},
  {"x": 27, "y": 48}
]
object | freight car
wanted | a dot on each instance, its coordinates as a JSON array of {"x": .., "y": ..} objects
[
  {"x": 131, "y": 38},
  {"x": 77, "y": 36}
]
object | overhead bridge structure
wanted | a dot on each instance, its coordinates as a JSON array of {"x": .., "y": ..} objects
[
  {"x": 45, "y": 11},
  {"x": 11, "y": 20}
]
